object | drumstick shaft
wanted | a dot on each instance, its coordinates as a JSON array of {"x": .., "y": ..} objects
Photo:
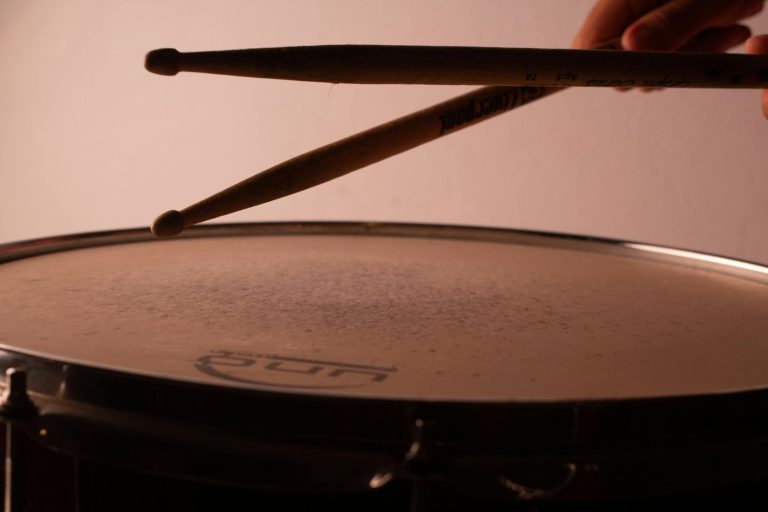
[
  {"x": 453, "y": 65},
  {"x": 357, "y": 151}
]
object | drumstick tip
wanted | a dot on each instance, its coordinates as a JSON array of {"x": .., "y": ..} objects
[
  {"x": 168, "y": 224},
  {"x": 164, "y": 61}
]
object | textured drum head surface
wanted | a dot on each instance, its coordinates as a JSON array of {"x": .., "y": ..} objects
[{"x": 403, "y": 317}]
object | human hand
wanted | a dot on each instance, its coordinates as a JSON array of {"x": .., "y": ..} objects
[
  {"x": 759, "y": 45},
  {"x": 668, "y": 25}
]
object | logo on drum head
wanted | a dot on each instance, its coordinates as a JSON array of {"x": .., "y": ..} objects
[{"x": 289, "y": 372}]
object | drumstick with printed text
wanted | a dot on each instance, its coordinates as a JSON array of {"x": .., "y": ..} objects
[
  {"x": 458, "y": 65},
  {"x": 357, "y": 151},
  {"x": 352, "y": 153}
]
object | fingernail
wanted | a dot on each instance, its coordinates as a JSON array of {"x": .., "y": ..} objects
[{"x": 758, "y": 44}]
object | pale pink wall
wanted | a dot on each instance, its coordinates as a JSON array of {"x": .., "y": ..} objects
[{"x": 90, "y": 141}]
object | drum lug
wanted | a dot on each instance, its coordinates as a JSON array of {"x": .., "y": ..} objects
[
  {"x": 420, "y": 460},
  {"x": 421, "y": 465},
  {"x": 534, "y": 492},
  {"x": 381, "y": 479},
  {"x": 15, "y": 407},
  {"x": 15, "y": 404}
]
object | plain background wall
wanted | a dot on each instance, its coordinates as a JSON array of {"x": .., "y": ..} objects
[{"x": 91, "y": 141}]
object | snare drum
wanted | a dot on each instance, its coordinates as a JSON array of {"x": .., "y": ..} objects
[{"x": 380, "y": 367}]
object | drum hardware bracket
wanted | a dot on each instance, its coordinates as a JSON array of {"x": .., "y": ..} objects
[
  {"x": 380, "y": 479},
  {"x": 527, "y": 493},
  {"x": 15, "y": 404},
  {"x": 420, "y": 461},
  {"x": 421, "y": 465}
]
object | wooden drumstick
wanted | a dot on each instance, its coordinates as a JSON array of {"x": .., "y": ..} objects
[
  {"x": 352, "y": 153},
  {"x": 455, "y": 65}
]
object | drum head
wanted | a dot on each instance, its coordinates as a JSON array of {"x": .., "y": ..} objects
[
  {"x": 393, "y": 320},
  {"x": 396, "y": 317}
]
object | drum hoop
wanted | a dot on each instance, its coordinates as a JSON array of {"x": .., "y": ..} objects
[{"x": 744, "y": 269}]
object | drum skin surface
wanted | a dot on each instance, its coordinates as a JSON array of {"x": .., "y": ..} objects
[
  {"x": 341, "y": 357},
  {"x": 395, "y": 317}
]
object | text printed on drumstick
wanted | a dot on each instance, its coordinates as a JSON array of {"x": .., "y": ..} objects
[
  {"x": 511, "y": 97},
  {"x": 569, "y": 78},
  {"x": 618, "y": 82},
  {"x": 562, "y": 76}
]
